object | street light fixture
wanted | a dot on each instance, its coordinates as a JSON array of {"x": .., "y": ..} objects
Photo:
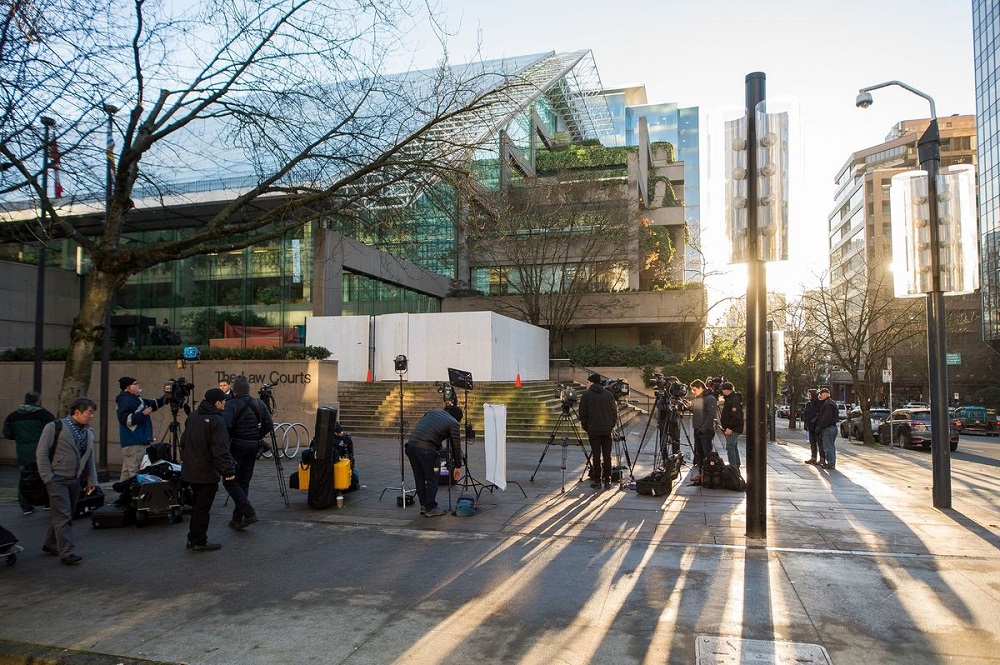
[{"x": 926, "y": 221}]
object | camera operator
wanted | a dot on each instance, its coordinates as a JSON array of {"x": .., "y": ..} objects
[
  {"x": 248, "y": 420},
  {"x": 135, "y": 427},
  {"x": 424, "y": 448},
  {"x": 598, "y": 415},
  {"x": 704, "y": 408}
]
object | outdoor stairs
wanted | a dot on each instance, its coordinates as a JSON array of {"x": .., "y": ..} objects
[{"x": 533, "y": 411}]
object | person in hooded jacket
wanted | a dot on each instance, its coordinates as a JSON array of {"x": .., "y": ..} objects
[
  {"x": 248, "y": 419},
  {"x": 24, "y": 425},
  {"x": 598, "y": 416},
  {"x": 704, "y": 408},
  {"x": 731, "y": 419},
  {"x": 206, "y": 458}
]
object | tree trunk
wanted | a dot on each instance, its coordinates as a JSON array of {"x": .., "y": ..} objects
[{"x": 86, "y": 334}]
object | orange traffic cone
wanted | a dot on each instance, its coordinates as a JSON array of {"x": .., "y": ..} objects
[
  {"x": 517, "y": 380},
  {"x": 369, "y": 379}
]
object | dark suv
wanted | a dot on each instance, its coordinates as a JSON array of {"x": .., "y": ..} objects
[{"x": 907, "y": 428}]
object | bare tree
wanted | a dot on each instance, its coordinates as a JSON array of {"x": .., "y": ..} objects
[
  {"x": 802, "y": 351},
  {"x": 290, "y": 101},
  {"x": 551, "y": 244},
  {"x": 858, "y": 323}
]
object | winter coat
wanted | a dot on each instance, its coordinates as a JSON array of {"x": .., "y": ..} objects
[
  {"x": 135, "y": 428},
  {"x": 828, "y": 414},
  {"x": 811, "y": 414},
  {"x": 598, "y": 410},
  {"x": 703, "y": 412},
  {"x": 246, "y": 417},
  {"x": 432, "y": 430},
  {"x": 24, "y": 425},
  {"x": 66, "y": 460},
  {"x": 205, "y": 447},
  {"x": 731, "y": 416}
]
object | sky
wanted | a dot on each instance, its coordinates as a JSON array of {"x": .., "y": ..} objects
[{"x": 815, "y": 55}]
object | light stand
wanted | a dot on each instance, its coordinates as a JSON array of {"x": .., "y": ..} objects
[{"x": 405, "y": 497}]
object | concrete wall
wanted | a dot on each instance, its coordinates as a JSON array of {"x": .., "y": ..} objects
[
  {"x": 300, "y": 387},
  {"x": 18, "y": 283},
  {"x": 490, "y": 346}
]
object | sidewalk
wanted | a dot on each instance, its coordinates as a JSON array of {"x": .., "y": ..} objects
[{"x": 857, "y": 567}]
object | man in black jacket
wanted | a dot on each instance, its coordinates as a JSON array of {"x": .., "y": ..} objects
[
  {"x": 423, "y": 449},
  {"x": 248, "y": 420},
  {"x": 598, "y": 415},
  {"x": 811, "y": 413},
  {"x": 704, "y": 408},
  {"x": 826, "y": 425},
  {"x": 205, "y": 455},
  {"x": 731, "y": 419}
]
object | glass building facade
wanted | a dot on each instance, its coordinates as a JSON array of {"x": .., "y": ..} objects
[
  {"x": 679, "y": 126},
  {"x": 986, "y": 47}
]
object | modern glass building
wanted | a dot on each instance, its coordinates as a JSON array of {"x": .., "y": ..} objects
[
  {"x": 986, "y": 42},
  {"x": 675, "y": 125},
  {"x": 403, "y": 254}
]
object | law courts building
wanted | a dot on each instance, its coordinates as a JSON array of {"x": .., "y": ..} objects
[{"x": 648, "y": 162}]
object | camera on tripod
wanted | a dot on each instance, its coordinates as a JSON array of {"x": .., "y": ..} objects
[
  {"x": 619, "y": 388},
  {"x": 177, "y": 391},
  {"x": 266, "y": 391},
  {"x": 568, "y": 397}
]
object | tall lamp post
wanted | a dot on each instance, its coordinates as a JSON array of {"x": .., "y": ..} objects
[
  {"x": 920, "y": 233},
  {"x": 47, "y": 124},
  {"x": 106, "y": 342}
]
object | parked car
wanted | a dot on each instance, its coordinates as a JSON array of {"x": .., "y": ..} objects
[
  {"x": 907, "y": 428},
  {"x": 994, "y": 422},
  {"x": 783, "y": 411},
  {"x": 853, "y": 427},
  {"x": 972, "y": 419},
  {"x": 916, "y": 405}
]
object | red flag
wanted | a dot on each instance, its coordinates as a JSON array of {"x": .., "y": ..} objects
[{"x": 57, "y": 189}]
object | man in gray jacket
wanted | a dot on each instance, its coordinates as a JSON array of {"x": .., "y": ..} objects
[{"x": 64, "y": 467}]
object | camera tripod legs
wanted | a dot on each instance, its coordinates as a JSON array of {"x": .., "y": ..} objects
[{"x": 565, "y": 417}]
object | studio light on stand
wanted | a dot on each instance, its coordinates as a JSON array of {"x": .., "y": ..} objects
[
  {"x": 405, "y": 498},
  {"x": 935, "y": 253}
]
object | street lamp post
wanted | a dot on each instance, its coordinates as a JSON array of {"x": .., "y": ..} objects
[
  {"x": 106, "y": 342},
  {"x": 929, "y": 152},
  {"x": 47, "y": 124}
]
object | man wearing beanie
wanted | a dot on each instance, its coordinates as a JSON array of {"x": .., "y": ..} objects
[
  {"x": 731, "y": 419},
  {"x": 248, "y": 420},
  {"x": 205, "y": 455},
  {"x": 424, "y": 448},
  {"x": 598, "y": 415},
  {"x": 135, "y": 427}
]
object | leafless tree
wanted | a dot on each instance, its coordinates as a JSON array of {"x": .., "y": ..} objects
[
  {"x": 803, "y": 352},
  {"x": 858, "y": 323},
  {"x": 290, "y": 101},
  {"x": 551, "y": 244}
]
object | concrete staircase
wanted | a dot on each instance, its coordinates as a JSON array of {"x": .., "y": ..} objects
[{"x": 533, "y": 410}]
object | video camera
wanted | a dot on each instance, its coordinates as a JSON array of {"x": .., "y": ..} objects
[
  {"x": 619, "y": 388},
  {"x": 714, "y": 384},
  {"x": 669, "y": 388},
  {"x": 177, "y": 391},
  {"x": 568, "y": 397},
  {"x": 266, "y": 390}
]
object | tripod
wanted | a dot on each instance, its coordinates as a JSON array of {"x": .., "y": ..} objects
[
  {"x": 405, "y": 497},
  {"x": 669, "y": 426},
  {"x": 564, "y": 417},
  {"x": 173, "y": 431},
  {"x": 618, "y": 438},
  {"x": 276, "y": 454}
]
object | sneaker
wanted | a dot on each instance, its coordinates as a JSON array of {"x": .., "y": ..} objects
[
  {"x": 28, "y": 512},
  {"x": 51, "y": 551},
  {"x": 434, "y": 512},
  {"x": 71, "y": 559},
  {"x": 207, "y": 547},
  {"x": 423, "y": 511}
]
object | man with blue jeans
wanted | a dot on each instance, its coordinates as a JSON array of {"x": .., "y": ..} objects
[
  {"x": 826, "y": 425},
  {"x": 135, "y": 427},
  {"x": 423, "y": 450},
  {"x": 731, "y": 419}
]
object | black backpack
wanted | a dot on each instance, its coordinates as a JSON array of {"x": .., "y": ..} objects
[
  {"x": 712, "y": 471},
  {"x": 732, "y": 479}
]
